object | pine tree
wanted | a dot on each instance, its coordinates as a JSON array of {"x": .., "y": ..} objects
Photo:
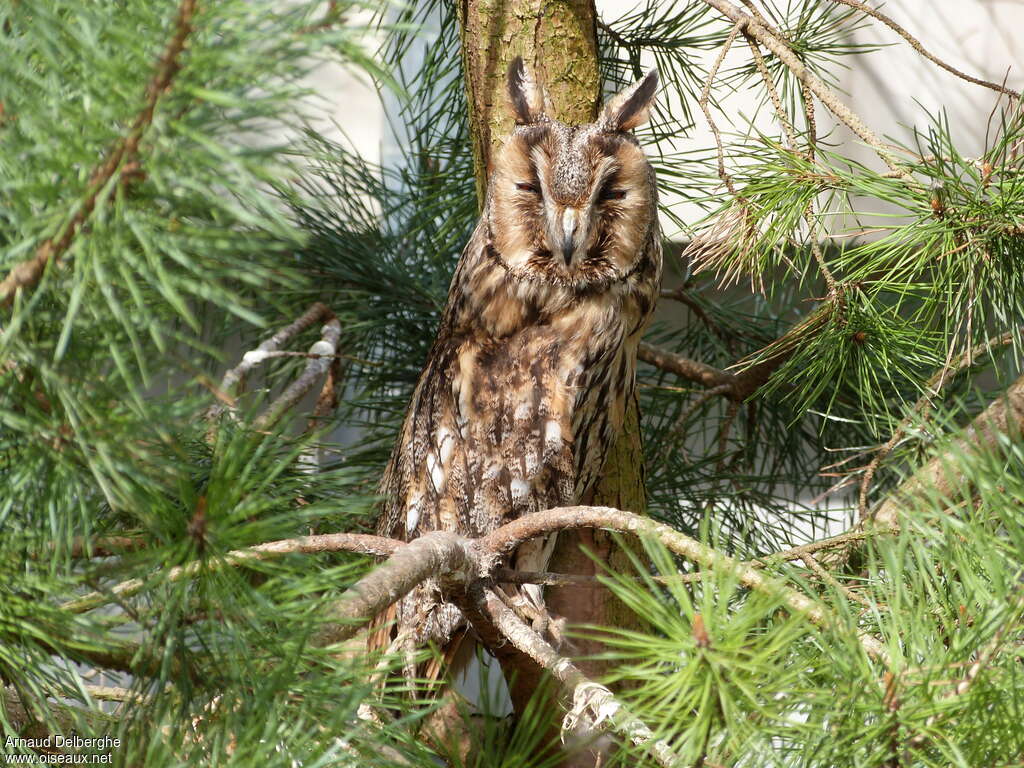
[{"x": 186, "y": 558}]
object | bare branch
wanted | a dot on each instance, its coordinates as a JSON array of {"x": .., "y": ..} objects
[
  {"x": 433, "y": 554},
  {"x": 320, "y": 362},
  {"x": 112, "y": 693},
  {"x": 118, "y": 161},
  {"x": 683, "y": 296},
  {"x": 811, "y": 562},
  {"x": 330, "y": 542},
  {"x": 315, "y": 314},
  {"x": 834, "y": 542},
  {"x": 753, "y": 28},
  {"x": 326, "y": 403},
  {"x": 594, "y": 706},
  {"x": 916, "y": 45},
  {"x": 692, "y": 370},
  {"x": 773, "y": 94},
  {"x": 740, "y": 385},
  {"x": 105, "y": 546},
  {"x": 703, "y": 102}
]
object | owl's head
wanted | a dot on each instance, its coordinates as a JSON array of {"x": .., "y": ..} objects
[{"x": 572, "y": 204}]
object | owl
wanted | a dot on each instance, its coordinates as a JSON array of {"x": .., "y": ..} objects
[{"x": 526, "y": 384}]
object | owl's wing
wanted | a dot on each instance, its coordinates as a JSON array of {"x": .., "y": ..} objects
[{"x": 487, "y": 438}]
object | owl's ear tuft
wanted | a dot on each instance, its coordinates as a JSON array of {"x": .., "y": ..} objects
[
  {"x": 525, "y": 97},
  {"x": 632, "y": 107}
]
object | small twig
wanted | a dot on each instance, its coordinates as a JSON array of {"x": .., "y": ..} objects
[
  {"x": 754, "y": 28},
  {"x": 112, "y": 693},
  {"x": 104, "y": 546},
  {"x": 331, "y": 542},
  {"x": 545, "y": 578},
  {"x": 321, "y": 354},
  {"x": 683, "y": 296},
  {"x": 327, "y": 400},
  {"x": 703, "y": 103},
  {"x": 833, "y": 542},
  {"x": 593, "y": 705},
  {"x": 117, "y": 162},
  {"x": 548, "y": 579},
  {"x": 812, "y": 122},
  {"x": 629, "y": 47},
  {"x": 326, "y": 403},
  {"x": 724, "y": 430},
  {"x": 233, "y": 378},
  {"x": 313, "y": 356},
  {"x": 916, "y": 45},
  {"x": 678, "y": 429},
  {"x": 773, "y": 94},
  {"x": 790, "y": 131},
  {"x": 811, "y": 562}
]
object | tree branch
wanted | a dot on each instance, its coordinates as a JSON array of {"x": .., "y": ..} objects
[
  {"x": 105, "y": 546},
  {"x": 433, "y": 554},
  {"x": 753, "y": 28},
  {"x": 503, "y": 541},
  {"x": 916, "y": 45},
  {"x": 27, "y": 273},
  {"x": 738, "y": 386},
  {"x": 691, "y": 370},
  {"x": 330, "y": 542},
  {"x": 594, "y": 706}
]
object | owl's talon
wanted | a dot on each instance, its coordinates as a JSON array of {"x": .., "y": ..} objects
[
  {"x": 556, "y": 632},
  {"x": 541, "y": 623}
]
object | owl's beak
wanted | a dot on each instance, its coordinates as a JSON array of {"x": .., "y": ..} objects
[{"x": 570, "y": 219}]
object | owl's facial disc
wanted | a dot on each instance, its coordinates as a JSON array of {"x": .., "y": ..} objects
[{"x": 572, "y": 205}]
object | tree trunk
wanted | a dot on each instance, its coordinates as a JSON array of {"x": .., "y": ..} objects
[{"x": 558, "y": 42}]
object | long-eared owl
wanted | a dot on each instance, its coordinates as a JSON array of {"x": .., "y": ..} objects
[{"x": 526, "y": 385}]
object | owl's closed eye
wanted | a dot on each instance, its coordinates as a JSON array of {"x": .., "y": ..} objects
[{"x": 572, "y": 203}]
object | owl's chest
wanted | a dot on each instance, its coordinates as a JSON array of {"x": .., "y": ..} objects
[{"x": 569, "y": 377}]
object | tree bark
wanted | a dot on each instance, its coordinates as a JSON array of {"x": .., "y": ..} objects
[{"x": 558, "y": 42}]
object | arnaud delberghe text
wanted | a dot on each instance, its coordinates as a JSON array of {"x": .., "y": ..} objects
[{"x": 60, "y": 741}]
